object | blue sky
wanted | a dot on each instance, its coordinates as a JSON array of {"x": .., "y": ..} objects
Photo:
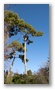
[{"x": 38, "y": 16}]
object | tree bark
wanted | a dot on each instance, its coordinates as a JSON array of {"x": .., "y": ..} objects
[{"x": 25, "y": 58}]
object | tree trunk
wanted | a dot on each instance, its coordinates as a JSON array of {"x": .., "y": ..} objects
[{"x": 25, "y": 58}]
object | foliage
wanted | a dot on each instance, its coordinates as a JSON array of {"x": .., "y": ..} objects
[
  {"x": 27, "y": 79},
  {"x": 16, "y": 45},
  {"x": 45, "y": 71},
  {"x": 22, "y": 58},
  {"x": 11, "y": 19},
  {"x": 12, "y": 26},
  {"x": 7, "y": 80},
  {"x": 41, "y": 77},
  {"x": 29, "y": 72}
]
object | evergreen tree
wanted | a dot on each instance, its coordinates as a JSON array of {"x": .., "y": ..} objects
[{"x": 14, "y": 25}]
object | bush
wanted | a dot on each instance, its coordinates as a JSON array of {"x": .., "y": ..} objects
[{"x": 41, "y": 77}]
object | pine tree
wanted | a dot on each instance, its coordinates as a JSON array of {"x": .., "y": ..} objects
[{"x": 15, "y": 25}]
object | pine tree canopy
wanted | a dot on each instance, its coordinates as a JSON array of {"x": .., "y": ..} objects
[
  {"x": 12, "y": 19},
  {"x": 17, "y": 46},
  {"x": 14, "y": 25}
]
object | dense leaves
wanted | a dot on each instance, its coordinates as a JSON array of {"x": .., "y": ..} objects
[
  {"x": 12, "y": 48},
  {"x": 12, "y": 26},
  {"x": 22, "y": 58},
  {"x": 29, "y": 79},
  {"x": 40, "y": 77},
  {"x": 16, "y": 45},
  {"x": 12, "y": 19}
]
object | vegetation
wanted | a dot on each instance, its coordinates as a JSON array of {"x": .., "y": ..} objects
[
  {"x": 12, "y": 26},
  {"x": 40, "y": 77}
]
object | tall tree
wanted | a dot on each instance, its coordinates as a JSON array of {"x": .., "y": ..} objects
[{"x": 16, "y": 25}]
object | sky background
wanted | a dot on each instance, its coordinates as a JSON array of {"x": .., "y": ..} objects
[{"x": 36, "y": 15}]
